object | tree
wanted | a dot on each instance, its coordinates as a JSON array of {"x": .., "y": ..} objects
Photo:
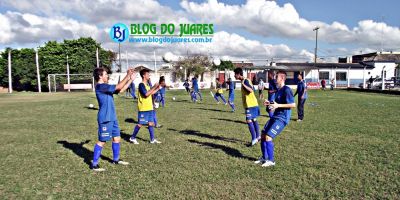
[
  {"x": 52, "y": 60},
  {"x": 228, "y": 65},
  {"x": 194, "y": 64}
]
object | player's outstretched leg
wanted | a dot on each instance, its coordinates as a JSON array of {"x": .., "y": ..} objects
[
  {"x": 223, "y": 99},
  {"x": 132, "y": 139},
  {"x": 257, "y": 129},
  {"x": 232, "y": 106},
  {"x": 153, "y": 140},
  {"x": 252, "y": 132},
  {"x": 216, "y": 97}
]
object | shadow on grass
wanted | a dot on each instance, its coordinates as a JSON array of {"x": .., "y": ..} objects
[
  {"x": 228, "y": 150},
  {"x": 81, "y": 151},
  {"x": 131, "y": 120},
  {"x": 212, "y": 109},
  {"x": 204, "y": 135},
  {"x": 126, "y": 136},
  {"x": 230, "y": 120},
  {"x": 89, "y": 108}
]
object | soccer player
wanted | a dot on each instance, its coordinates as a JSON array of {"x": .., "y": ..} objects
[
  {"x": 250, "y": 105},
  {"x": 271, "y": 92},
  {"x": 186, "y": 85},
  {"x": 219, "y": 92},
  {"x": 145, "y": 107},
  {"x": 162, "y": 91},
  {"x": 282, "y": 105},
  {"x": 261, "y": 86},
  {"x": 195, "y": 86},
  {"x": 133, "y": 90},
  {"x": 106, "y": 117},
  {"x": 231, "y": 89},
  {"x": 302, "y": 91}
]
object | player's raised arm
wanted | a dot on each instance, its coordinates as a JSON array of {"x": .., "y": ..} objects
[
  {"x": 123, "y": 85},
  {"x": 131, "y": 77}
]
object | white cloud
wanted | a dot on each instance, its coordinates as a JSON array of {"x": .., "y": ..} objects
[
  {"x": 267, "y": 18},
  {"x": 18, "y": 28}
]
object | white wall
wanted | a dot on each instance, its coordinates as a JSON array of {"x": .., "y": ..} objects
[{"x": 377, "y": 71}]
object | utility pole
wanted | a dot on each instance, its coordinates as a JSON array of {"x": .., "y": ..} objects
[
  {"x": 119, "y": 57},
  {"x": 316, "y": 44}
]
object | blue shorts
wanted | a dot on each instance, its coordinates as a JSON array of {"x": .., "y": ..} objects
[
  {"x": 252, "y": 113},
  {"x": 231, "y": 97},
  {"x": 144, "y": 117},
  {"x": 108, "y": 130},
  {"x": 273, "y": 127}
]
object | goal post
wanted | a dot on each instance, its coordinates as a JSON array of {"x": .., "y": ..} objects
[{"x": 59, "y": 82}]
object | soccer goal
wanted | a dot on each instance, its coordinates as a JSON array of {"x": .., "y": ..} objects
[{"x": 61, "y": 82}]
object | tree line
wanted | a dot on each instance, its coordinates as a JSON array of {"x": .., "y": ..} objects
[{"x": 52, "y": 60}]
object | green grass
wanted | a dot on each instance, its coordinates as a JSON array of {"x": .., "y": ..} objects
[{"x": 347, "y": 147}]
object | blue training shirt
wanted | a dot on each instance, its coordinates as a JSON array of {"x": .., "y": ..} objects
[
  {"x": 272, "y": 86},
  {"x": 195, "y": 85},
  {"x": 142, "y": 89},
  {"x": 162, "y": 90},
  {"x": 284, "y": 95},
  {"x": 104, "y": 94},
  {"x": 301, "y": 89}
]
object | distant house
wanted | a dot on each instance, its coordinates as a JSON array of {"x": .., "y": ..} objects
[{"x": 385, "y": 63}]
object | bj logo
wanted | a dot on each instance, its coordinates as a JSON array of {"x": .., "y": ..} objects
[{"x": 119, "y": 32}]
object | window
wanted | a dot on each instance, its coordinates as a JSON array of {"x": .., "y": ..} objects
[
  {"x": 324, "y": 75},
  {"x": 289, "y": 75},
  {"x": 341, "y": 76}
]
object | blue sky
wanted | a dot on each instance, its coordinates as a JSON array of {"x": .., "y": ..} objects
[{"x": 280, "y": 29}]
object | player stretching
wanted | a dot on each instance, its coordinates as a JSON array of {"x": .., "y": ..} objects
[
  {"x": 250, "y": 105},
  {"x": 106, "y": 117},
  {"x": 195, "y": 86},
  {"x": 145, "y": 107},
  {"x": 231, "y": 89},
  {"x": 219, "y": 92},
  {"x": 282, "y": 105},
  {"x": 271, "y": 92}
]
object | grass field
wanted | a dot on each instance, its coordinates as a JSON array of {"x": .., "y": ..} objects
[{"x": 348, "y": 146}]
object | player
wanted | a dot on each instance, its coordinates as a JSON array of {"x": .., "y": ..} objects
[
  {"x": 250, "y": 105},
  {"x": 106, "y": 117},
  {"x": 271, "y": 92},
  {"x": 186, "y": 85},
  {"x": 282, "y": 105},
  {"x": 219, "y": 92},
  {"x": 195, "y": 86},
  {"x": 145, "y": 107},
  {"x": 231, "y": 89},
  {"x": 302, "y": 91}
]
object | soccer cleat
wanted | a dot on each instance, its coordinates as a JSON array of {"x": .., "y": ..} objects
[
  {"x": 133, "y": 140},
  {"x": 260, "y": 160},
  {"x": 159, "y": 126},
  {"x": 268, "y": 163},
  {"x": 299, "y": 120},
  {"x": 254, "y": 142},
  {"x": 218, "y": 102},
  {"x": 97, "y": 168},
  {"x": 120, "y": 162},
  {"x": 155, "y": 142},
  {"x": 226, "y": 104}
]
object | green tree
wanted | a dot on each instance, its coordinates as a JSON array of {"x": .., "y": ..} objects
[
  {"x": 228, "y": 65},
  {"x": 52, "y": 60},
  {"x": 195, "y": 65}
]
